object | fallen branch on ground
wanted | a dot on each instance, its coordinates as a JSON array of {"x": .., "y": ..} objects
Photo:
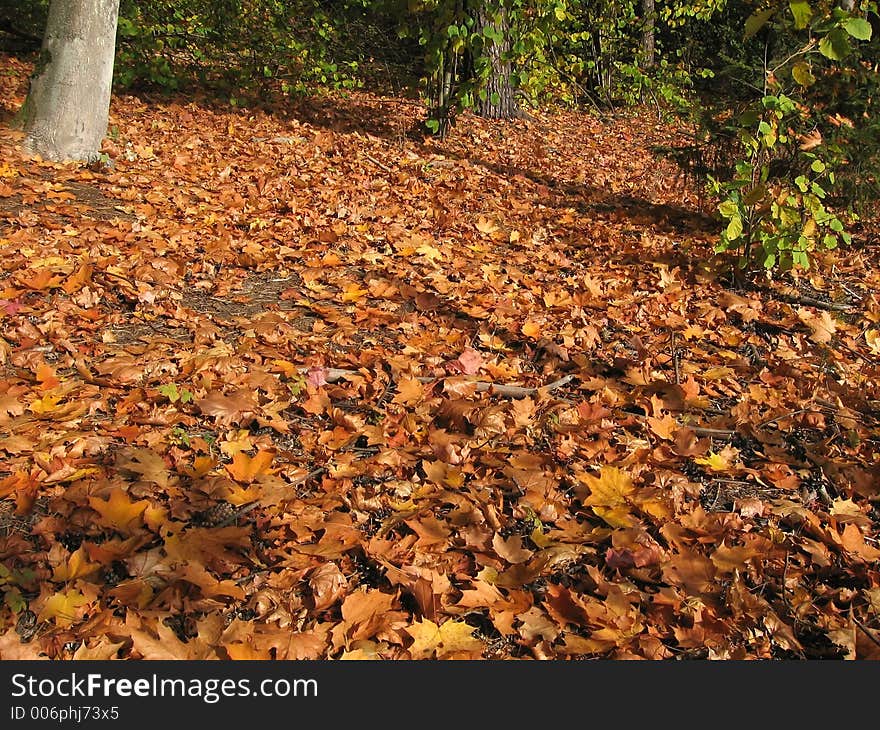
[{"x": 332, "y": 375}]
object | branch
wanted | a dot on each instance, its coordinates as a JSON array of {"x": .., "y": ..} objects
[
  {"x": 7, "y": 27},
  {"x": 332, "y": 375}
]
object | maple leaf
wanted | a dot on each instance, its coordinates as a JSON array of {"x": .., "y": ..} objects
[
  {"x": 822, "y": 326},
  {"x": 46, "y": 377},
  {"x": 664, "y": 427},
  {"x": 63, "y": 607},
  {"x": 101, "y": 650},
  {"x": 366, "y": 612},
  {"x": 77, "y": 566},
  {"x": 118, "y": 511},
  {"x": 607, "y": 494},
  {"x": 511, "y": 549},
  {"x": 409, "y": 391},
  {"x": 246, "y": 469},
  {"x": 10, "y": 406},
  {"x": 144, "y": 463},
  {"x": 450, "y": 637},
  {"x": 328, "y": 585}
]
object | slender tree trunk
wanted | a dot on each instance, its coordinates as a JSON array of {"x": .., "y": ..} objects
[
  {"x": 500, "y": 101},
  {"x": 647, "y": 11},
  {"x": 65, "y": 113}
]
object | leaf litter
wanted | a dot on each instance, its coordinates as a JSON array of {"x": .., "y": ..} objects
[{"x": 276, "y": 386}]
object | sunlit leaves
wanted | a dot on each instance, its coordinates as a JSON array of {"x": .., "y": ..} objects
[
  {"x": 431, "y": 641},
  {"x": 607, "y": 495},
  {"x": 118, "y": 511},
  {"x": 64, "y": 607}
]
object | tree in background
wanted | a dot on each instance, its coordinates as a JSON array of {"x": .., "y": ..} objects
[{"x": 64, "y": 116}]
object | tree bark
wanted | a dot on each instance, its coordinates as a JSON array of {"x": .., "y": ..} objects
[
  {"x": 647, "y": 11},
  {"x": 500, "y": 101},
  {"x": 64, "y": 116}
]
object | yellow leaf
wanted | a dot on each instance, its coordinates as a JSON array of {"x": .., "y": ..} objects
[
  {"x": 430, "y": 253},
  {"x": 46, "y": 404},
  {"x": 118, "y": 512},
  {"x": 457, "y": 636},
  {"x": 531, "y": 329},
  {"x": 716, "y": 462},
  {"x": 77, "y": 566},
  {"x": 63, "y": 607},
  {"x": 607, "y": 495},
  {"x": 615, "y": 516},
  {"x": 873, "y": 339},
  {"x": 718, "y": 373},
  {"x": 431, "y": 640},
  {"x": 484, "y": 225},
  {"x": 610, "y": 488},
  {"x": 241, "y": 440}
]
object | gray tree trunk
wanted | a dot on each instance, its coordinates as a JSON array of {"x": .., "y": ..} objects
[
  {"x": 500, "y": 101},
  {"x": 647, "y": 11},
  {"x": 64, "y": 116}
]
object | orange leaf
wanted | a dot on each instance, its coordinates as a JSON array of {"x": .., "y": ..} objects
[
  {"x": 663, "y": 427},
  {"x": 409, "y": 391},
  {"x": 118, "y": 511},
  {"x": 246, "y": 469},
  {"x": 46, "y": 377}
]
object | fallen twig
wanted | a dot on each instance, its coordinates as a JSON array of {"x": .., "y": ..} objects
[
  {"x": 377, "y": 163},
  {"x": 332, "y": 375}
]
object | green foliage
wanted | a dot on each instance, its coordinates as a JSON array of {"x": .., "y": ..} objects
[
  {"x": 785, "y": 199},
  {"x": 239, "y": 44},
  {"x": 12, "y": 582},
  {"x": 776, "y": 221},
  {"x": 173, "y": 394}
]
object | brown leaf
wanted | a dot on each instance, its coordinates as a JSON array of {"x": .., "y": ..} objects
[{"x": 328, "y": 585}]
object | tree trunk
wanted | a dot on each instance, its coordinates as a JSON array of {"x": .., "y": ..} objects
[
  {"x": 65, "y": 113},
  {"x": 647, "y": 9},
  {"x": 500, "y": 101}
]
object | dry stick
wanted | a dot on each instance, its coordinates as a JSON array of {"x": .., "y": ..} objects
[
  {"x": 510, "y": 391},
  {"x": 865, "y": 630},
  {"x": 376, "y": 162}
]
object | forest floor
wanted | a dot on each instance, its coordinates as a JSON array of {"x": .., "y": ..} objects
[{"x": 286, "y": 382}]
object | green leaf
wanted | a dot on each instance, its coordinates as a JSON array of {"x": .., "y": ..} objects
[
  {"x": 818, "y": 166},
  {"x": 757, "y": 21},
  {"x": 858, "y": 28},
  {"x": 802, "y": 13},
  {"x": 170, "y": 392},
  {"x": 835, "y": 45}
]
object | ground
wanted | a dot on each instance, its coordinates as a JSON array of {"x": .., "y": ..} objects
[{"x": 286, "y": 382}]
